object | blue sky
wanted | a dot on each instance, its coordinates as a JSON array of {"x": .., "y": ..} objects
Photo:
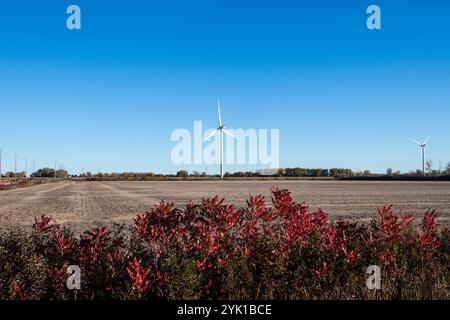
[{"x": 109, "y": 96}]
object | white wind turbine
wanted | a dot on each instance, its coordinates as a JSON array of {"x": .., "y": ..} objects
[
  {"x": 222, "y": 130},
  {"x": 422, "y": 151}
]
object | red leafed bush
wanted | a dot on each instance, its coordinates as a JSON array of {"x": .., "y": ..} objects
[
  {"x": 213, "y": 250},
  {"x": 143, "y": 278},
  {"x": 427, "y": 239},
  {"x": 41, "y": 224}
]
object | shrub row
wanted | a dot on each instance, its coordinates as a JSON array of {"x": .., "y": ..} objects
[{"x": 212, "y": 250}]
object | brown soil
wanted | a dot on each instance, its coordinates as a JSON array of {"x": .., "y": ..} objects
[{"x": 85, "y": 204}]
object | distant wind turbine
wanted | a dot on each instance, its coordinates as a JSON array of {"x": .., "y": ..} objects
[
  {"x": 422, "y": 151},
  {"x": 222, "y": 130}
]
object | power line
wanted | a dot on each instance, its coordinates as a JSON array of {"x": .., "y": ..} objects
[{"x": 28, "y": 165}]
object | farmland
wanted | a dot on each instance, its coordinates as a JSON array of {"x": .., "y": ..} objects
[{"x": 84, "y": 204}]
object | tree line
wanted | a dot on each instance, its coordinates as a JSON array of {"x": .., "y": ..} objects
[{"x": 338, "y": 173}]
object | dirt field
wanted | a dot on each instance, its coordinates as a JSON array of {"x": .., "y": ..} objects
[{"x": 85, "y": 204}]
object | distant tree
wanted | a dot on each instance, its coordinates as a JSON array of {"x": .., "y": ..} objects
[
  {"x": 389, "y": 171},
  {"x": 115, "y": 175},
  {"x": 341, "y": 173},
  {"x": 182, "y": 173},
  {"x": 62, "y": 173},
  {"x": 44, "y": 173},
  {"x": 447, "y": 168},
  {"x": 280, "y": 172},
  {"x": 9, "y": 174},
  {"x": 21, "y": 175},
  {"x": 317, "y": 172},
  {"x": 99, "y": 175}
]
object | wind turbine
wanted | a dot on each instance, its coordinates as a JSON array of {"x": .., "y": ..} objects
[
  {"x": 422, "y": 151},
  {"x": 222, "y": 130}
]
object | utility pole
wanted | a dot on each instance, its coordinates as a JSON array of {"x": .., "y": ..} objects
[
  {"x": 61, "y": 168},
  {"x": 55, "y": 169},
  {"x": 26, "y": 167},
  {"x": 0, "y": 164},
  {"x": 15, "y": 167},
  {"x": 34, "y": 165}
]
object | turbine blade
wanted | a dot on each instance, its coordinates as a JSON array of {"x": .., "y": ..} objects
[
  {"x": 218, "y": 112},
  {"x": 210, "y": 135},
  {"x": 230, "y": 134},
  {"x": 428, "y": 139},
  {"x": 415, "y": 141}
]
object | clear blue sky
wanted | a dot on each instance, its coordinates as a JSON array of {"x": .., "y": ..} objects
[{"x": 109, "y": 96}]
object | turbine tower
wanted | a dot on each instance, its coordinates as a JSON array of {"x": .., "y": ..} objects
[
  {"x": 422, "y": 151},
  {"x": 221, "y": 129}
]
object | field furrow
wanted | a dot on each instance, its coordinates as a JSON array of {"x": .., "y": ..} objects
[{"x": 86, "y": 204}]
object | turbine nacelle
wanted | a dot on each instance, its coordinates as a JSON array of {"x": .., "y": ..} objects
[
  {"x": 220, "y": 128},
  {"x": 421, "y": 144}
]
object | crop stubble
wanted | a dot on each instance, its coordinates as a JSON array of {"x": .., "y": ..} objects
[{"x": 86, "y": 204}]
